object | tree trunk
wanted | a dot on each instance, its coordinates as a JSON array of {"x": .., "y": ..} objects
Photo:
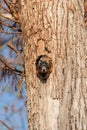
[{"x": 56, "y": 28}]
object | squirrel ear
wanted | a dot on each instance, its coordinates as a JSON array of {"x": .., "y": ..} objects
[{"x": 38, "y": 59}]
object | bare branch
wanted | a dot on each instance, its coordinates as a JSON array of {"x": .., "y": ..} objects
[
  {"x": 12, "y": 68},
  {"x": 12, "y": 10},
  {"x": 9, "y": 18},
  {"x": 6, "y": 24},
  {"x": 15, "y": 49},
  {"x": 4, "y": 60},
  {"x": 4, "y": 8},
  {"x": 6, "y": 125},
  {"x": 11, "y": 32}
]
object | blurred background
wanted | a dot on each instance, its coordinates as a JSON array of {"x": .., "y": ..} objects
[{"x": 13, "y": 110}]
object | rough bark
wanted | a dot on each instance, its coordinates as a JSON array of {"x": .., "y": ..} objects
[{"x": 56, "y": 28}]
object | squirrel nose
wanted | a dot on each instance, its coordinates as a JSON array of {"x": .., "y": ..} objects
[{"x": 44, "y": 69}]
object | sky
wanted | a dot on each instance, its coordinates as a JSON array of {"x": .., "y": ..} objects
[{"x": 12, "y": 111}]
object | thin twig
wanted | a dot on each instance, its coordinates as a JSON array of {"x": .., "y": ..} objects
[
  {"x": 6, "y": 24},
  {"x": 11, "y": 8},
  {"x": 15, "y": 49},
  {"x": 6, "y": 125},
  {"x": 12, "y": 68},
  {"x": 10, "y": 19},
  {"x": 4, "y": 60},
  {"x": 5, "y": 8},
  {"x": 11, "y": 32}
]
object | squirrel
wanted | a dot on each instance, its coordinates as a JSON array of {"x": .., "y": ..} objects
[
  {"x": 85, "y": 13},
  {"x": 43, "y": 67}
]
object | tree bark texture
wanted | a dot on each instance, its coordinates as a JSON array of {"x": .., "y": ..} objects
[{"x": 56, "y": 28}]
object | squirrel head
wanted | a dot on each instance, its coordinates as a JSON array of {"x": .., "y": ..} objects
[{"x": 43, "y": 67}]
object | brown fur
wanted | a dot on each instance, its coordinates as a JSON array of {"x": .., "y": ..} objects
[
  {"x": 43, "y": 67},
  {"x": 85, "y": 12}
]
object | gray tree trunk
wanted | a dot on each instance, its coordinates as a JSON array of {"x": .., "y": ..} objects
[{"x": 56, "y": 28}]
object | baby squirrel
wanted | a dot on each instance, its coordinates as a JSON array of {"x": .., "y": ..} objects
[
  {"x": 85, "y": 13},
  {"x": 43, "y": 67}
]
